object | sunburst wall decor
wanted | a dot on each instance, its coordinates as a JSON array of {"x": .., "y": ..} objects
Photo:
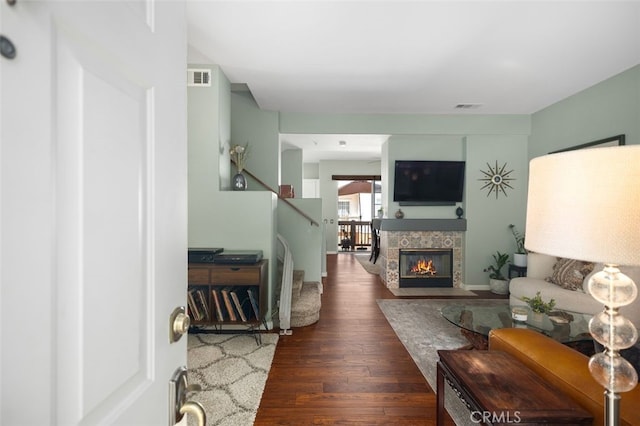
[{"x": 497, "y": 179}]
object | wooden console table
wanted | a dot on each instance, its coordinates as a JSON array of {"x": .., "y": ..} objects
[
  {"x": 221, "y": 294},
  {"x": 498, "y": 389}
]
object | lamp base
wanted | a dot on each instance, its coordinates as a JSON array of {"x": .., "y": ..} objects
[{"x": 611, "y": 408}]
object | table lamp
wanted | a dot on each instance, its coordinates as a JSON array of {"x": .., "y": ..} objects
[{"x": 585, "y": 205}]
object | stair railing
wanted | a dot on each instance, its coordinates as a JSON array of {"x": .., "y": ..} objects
[
  {"x": 286, "y": 288},
  {"x": 264, "y": 185}
]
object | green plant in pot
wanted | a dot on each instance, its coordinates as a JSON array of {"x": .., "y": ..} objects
[
  {"x": 538, "y": 305},
  {"x": 498, "y": 283},
  {"x": 520, "y": 255}
]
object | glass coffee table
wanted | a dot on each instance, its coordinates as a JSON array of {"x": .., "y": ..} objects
[{"x": 475, "y": 323}]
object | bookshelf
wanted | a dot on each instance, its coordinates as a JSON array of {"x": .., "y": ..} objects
[{"x": 221, "y": 295}]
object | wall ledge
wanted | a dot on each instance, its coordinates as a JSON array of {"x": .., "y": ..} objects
[{"x": 420, "y": 224}]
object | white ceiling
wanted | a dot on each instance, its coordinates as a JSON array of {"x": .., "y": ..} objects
[
  {"x": 328, "y": 147},
  {"x": 414, "y": 57}
]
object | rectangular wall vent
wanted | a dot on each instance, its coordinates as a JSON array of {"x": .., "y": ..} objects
[{"x": 197, "y": 77}]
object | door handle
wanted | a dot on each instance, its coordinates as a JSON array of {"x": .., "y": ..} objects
[
  {"x": 195, "y": 408},
  {"x": 178, "y": 404}
]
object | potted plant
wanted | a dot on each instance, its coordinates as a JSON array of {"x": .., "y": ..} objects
[
  {"x": 497, "y": 281},
  {"x": 538, "y": 306},
  {"x": 520, "y": 255},
  {"x": 239, "y": 156}
]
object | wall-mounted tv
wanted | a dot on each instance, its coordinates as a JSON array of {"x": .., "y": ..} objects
[{"x": 428, "y": 183}]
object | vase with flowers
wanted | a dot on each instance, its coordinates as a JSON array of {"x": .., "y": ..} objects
[{"x": 239, "y": 154}]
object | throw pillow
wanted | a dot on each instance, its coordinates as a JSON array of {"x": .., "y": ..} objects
[{"x": 569, "y": 273}]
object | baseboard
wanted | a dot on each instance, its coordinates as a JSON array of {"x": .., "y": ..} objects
[{"x": 475, "y": 287}]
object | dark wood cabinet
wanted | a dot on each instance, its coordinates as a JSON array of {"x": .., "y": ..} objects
[{"x": 227, "y": 294}]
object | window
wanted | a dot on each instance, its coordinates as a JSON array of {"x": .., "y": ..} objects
[{"x": 343, "y": 209}]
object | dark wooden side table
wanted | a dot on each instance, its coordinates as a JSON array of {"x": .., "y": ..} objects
[
  {"x": 499, "y": 390},
  {"x": 518, "y": 271}
]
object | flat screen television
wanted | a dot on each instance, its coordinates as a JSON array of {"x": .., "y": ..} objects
[{"x": 428, "y": 183}]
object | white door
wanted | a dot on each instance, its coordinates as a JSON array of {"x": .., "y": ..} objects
[{"x": 93, "y": 210}]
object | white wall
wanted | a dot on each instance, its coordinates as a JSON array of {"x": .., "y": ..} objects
[
  {"x": 311, "y": 188},
  {"x": 311, "y": 180}
]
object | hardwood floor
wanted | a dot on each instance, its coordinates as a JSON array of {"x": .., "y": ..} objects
[{"x": 350, "y": 367}]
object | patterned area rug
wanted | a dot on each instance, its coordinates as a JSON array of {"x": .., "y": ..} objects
[
  {"x": 363, "y": 259},
  {"x": 232, "y": 370},
  {"x": 422, "y": 330}
]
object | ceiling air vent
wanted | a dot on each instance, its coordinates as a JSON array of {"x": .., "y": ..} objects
[
  {"x": 196, "y": 77},
  {"x": 467, "y": 106}
]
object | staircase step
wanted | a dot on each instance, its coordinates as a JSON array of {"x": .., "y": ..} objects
[
  {"x": 305, "y": 308},
  {"x": 298, "y": 281}
]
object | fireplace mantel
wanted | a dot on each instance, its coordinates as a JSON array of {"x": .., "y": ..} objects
[{"x": 420, "y": 224}]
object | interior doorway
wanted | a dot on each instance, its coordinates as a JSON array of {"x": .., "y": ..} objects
[{"x": 358, "y": 203}]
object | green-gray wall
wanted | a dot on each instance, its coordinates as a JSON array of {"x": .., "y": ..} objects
[
  {"x": 304, "y": 239},
  {"x": 219, "y": 217},
  {"x": 260, "y": 129},
  {"x": 487, "y": 217},
  {"x": 477, "y": 139},
  {"x": 291, "y": 170},
  {"x": 606, "y": 109},
  {"x": 609, "y": 108}
]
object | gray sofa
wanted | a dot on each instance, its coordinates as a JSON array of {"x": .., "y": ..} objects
[{"x": 540, "y": 266}]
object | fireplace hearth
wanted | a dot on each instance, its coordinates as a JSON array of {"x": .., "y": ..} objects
[{"x": 426, "y": 267}]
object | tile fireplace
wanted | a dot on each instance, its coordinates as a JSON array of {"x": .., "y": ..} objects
[
  {"x": 426, "y": 267},
  {"x": 398, "y": 235}
]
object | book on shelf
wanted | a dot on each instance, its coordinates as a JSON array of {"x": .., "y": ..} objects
[
  {"x": 228, "y": 304},
  {"x": 238, "y": 305},
  {"x": 202, "y": 298},
  {"x": 193, "y": 306},
  {"x": 254, "y": 303},
  {"x": 218, "y": 305}
]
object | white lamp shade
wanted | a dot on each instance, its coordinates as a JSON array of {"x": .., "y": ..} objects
[{"x": 585, "y": 205}]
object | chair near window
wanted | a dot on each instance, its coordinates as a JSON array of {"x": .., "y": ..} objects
[{"x": 375, "y": 244}]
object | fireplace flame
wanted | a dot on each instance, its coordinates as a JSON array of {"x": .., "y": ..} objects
[{"x": 424, "y": 267}]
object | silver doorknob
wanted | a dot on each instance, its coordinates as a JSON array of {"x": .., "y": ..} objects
[{"x": 179, "y": 323}]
